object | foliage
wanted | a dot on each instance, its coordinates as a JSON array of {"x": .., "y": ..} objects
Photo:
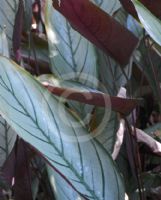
[{"x": 80, "y": 100}]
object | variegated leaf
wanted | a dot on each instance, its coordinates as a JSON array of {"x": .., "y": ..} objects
[
  {"x": 7, "y": 134},
  {"x": 113, "y": 75},
  {"x": 35, "y": 115},
  {"x": 8, "y": 10},
  {"x": 7, "y": 140},
  {"x": 7, "y": 16},
  {"x": 104, "y": 122},
  {"x": 72, "y": 56},
  {"x": 77, "y": 107},
  {"x": 61, "y": 189},
  {"x": 107, "y": 123},
  {"x": 110, "y": 7}
]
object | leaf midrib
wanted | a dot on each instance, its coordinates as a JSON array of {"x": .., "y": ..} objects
[{"x": 70, "y": 166}]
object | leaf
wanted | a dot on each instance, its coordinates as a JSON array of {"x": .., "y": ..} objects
[
  {"x": 35, "y": 187},
  {"x": 8, "y": 10},
  {"x": 28, "y": 14},
  {"x": 121, "y": 16},
  {"x": 35, "y": 52},
  {"x": 108, "y": 6},
  {"x": 134, "y": 27},
  {"x": 119, "y": 140},
  {"x": 123, "y": 164},
  {"x": 60, "y": 188},
  {"x": 95, "y": 25},
  {"x": 112, "y": 77},
  {"x": 8, "y": 169},
  {"x": 104, "y": 123},
  {"x": 105, "y": 127},
  {"x": 153, "y": 6},
  {"x": 112, "y": 74},
  {"x": 4, "y": 49},
  {"x": 83, "y": 110},
  {"x": 38, "y": 46},
  {"x": 72, "y": 56},
  {"x": 17, "y": 31},
  {"x": 16, "y": 167},
  {"x": 151, "y": 23},
  {"x": 34, "y": 113},
  {"x": 149, "y": 64},
  {"x": 7, "y": 16},
  {"x": 7, "y": 134},
  {"x": 129, "y": 7},
  {"x": 121, "y": 105},
  {"x": 7, "y": 140},
  {"x": 22, "y": 187},
  {"x": 110, "y": 127}
]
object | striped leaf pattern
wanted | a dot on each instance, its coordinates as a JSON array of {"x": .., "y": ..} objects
[
  {"x": 113, "y": 75},
  {"x": 83, "y": 110},
  {"x": 7, "y": 16},
  {"x": 34, "y": 113},
  {"x": 8, "y": 10},
  {"x": 7, "y": 134},
  {"x": 7, "y": 140},
  {"x": 104, "y": 123},
  {"x": 71, "y": 54},
  {"x": 107, "y": 136},
  {"x": 61, "y": 189}
]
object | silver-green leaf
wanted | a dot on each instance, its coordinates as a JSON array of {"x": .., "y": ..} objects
[
  {"x": 7, "y": 16},
  {"x": 151, "y": 23},
  {"x": 7, "y": 140},
  {"x": 113, "y": 75},
  {"x": 35, "y": 115},
  {"x": 109, "y": 123},
  {"x": 72, "y": 56},
  {"x": 82, "y": 110},
  {"x": 60, "y": 187}
]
